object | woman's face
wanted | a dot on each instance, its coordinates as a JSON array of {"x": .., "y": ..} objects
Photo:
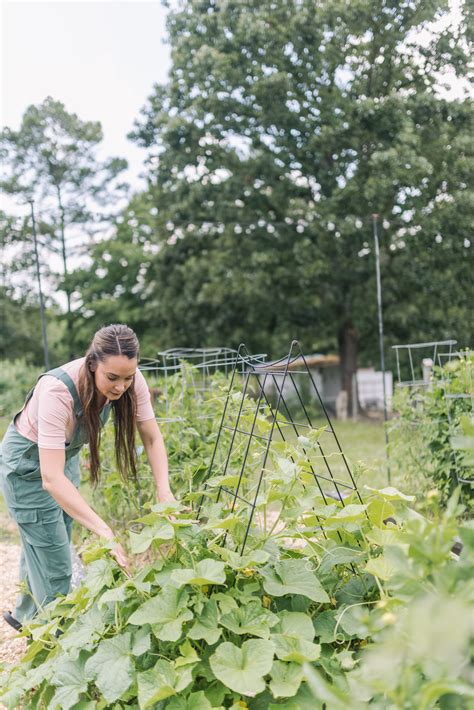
[{"x": 115, "y": 375}]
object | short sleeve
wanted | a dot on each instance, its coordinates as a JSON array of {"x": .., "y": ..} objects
[
  {"x": 143, "y": 399},
  {"x": 55, "y": 409}
]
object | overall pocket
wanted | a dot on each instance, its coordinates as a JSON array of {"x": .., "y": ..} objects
[
  {"x": 47, "y": 550},
  {"x": 42, "y": 528}
]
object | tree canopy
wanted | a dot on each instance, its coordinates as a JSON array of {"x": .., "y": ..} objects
[{"x": 284, "y": 126}]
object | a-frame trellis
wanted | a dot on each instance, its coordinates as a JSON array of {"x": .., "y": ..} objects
[{"x": 268, "y": 405}]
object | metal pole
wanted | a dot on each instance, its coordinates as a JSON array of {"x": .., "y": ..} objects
[
  {"x": 38, "y": 276},
  {"x": 67, "y": 287},
  {"x": 380, "y": 319}
]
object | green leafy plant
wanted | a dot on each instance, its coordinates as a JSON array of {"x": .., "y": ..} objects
[
  {"x": 17, "y": 377},
  {"x": 200, "y": 626},
  {"x": 431, "y": 435}
]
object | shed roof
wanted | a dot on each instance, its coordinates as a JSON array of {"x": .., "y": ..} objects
[{"x": 316, "y": 360}]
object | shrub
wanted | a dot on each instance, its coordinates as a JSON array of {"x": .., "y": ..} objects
[
  {"x": 432, "y": 436},
  {"x": 17, "y": 377}
]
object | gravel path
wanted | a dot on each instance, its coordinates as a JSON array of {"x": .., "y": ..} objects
[{"x": 11, "y": 647}]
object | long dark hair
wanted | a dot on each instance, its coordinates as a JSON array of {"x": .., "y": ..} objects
[{"x": 110, "y": 340}]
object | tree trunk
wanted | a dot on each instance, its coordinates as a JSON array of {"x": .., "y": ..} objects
[{"x": 348, "y": 348}]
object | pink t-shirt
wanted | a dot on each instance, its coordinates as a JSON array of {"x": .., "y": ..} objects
[{"x": 49, "y": 420}]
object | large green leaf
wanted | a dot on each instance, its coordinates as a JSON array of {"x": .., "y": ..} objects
[
  {"x": 355, "y": 621},
  {"x": 111, "y": 666},
  {"x": 243, "y": 669},
  {"x": 156, "y": 684},
  {"x": 325, "y": 625},
  {"x": 195, "y": 701},
  {"x": 349, "y": 514},
  {"x": 250, "y": 619},
  {"x": 340, "y": 555},
  {"x": 206, "y": 624},
  {"x": 378, "y": 510},
  {"x": 85, "y": 631},
  {"x": 293, "y": 577},
  {"x": 391, "y": 493},
  {"x": 207, "y": 571},
  {"x": 166, "y": 613},
  {"x": 70, "y": 681},
  {"x": 99, "y": 575},
  {"x": 141, "y": 641},
  {"x": 160, "y": 532},
  {"x": 295, "y": 623},
  {"x": 297, "y": 650},
  {"x": 238, "y": 562},
  {"x": 286, "y": 679}
]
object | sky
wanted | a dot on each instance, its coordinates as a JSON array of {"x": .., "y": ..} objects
[{"x": 100, "y": 59}]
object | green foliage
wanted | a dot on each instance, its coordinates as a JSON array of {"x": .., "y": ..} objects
[
  {"x": 432, "y": 437},
  {"x": 328, "y": 603},
  {"x": 194, "y": 628},
  {"x": 190, "y": 419},
  {"x": 20, "y": 335},
  {"x": 52, "y": 160},
  {"x": 283, "y": 127},
  {"x": 17, "y": 377}
]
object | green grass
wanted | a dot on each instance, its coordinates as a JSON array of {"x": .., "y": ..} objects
[{"x": 364, "y": 443}]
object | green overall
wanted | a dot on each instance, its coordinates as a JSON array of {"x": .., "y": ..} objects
[{"x": 45, "y": 528}]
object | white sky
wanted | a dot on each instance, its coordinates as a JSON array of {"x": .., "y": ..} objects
[{"x": 100, "y": 59}]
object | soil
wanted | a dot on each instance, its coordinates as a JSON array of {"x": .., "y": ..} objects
[{"x": 11, "y": 647}]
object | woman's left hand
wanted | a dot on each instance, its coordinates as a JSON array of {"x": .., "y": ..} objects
[{"x": 166, "y": 497}]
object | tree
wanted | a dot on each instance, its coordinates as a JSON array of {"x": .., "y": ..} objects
[
  {"x": 52, "y": 159},
  {"x": 283, "y": 127},
  {"x": 112, "y": 288}
]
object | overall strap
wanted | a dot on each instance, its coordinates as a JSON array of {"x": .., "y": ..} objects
[{"x": 66, "y": 379}]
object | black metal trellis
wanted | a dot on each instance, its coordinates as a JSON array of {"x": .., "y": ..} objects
[
  {"x": 285, "y": 393},
  {"x": 196, "y": 366},
  {"x": 414, "y": 355}
]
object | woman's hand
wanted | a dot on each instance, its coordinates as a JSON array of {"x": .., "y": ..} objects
[
  {"x": 117, "y": 550},
  {"x": 166, "y": 496},
  {"x": 121, "y": 556}
]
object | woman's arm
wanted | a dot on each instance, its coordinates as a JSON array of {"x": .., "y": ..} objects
[
  {"x": 154, "y": 445},
  {"x": 65, "y": 493}
]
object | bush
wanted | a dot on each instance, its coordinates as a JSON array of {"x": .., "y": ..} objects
[
  {"x": 432, "y": 438},
  {"x": 338, "y": 621},
  {"x": 17, "y": 377}
]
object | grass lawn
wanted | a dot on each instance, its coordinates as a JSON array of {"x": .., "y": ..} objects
[{"x": 363, "y": 442}]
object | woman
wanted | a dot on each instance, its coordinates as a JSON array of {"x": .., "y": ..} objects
[{"x": 39, "y": 468}]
